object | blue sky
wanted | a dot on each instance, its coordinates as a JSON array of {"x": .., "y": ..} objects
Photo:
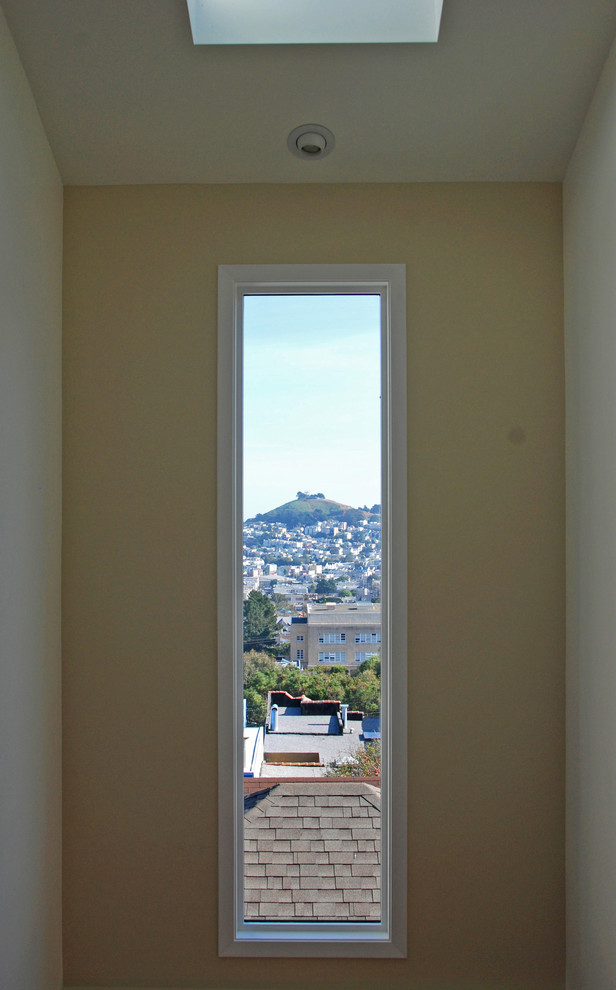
[{"x": 312, "y": 411}]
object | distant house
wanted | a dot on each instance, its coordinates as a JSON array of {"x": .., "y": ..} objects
[
  {"x": 303, "y": 736},
  {"x": 336, "y": 634},
  {"x": 312, "y": 851}
]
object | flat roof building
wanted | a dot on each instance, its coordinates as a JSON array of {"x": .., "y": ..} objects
[{"x": 336, "y": 634}]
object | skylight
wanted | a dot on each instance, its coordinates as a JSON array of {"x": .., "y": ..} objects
[{"x": 313, "y": 22}]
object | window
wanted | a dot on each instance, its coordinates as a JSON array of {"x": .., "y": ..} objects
[
  {"x": 360, "y": 657},
  {"x": 332, "y": 638},
  {"x": 300, "y": 639},
  {"x": 332, "y": 657},
  {"x": 371, "y": 637},
  {"x": 299, "y": 654},
  {"x": 384, "y": 935},
  {"x": 314, "y": 22}
]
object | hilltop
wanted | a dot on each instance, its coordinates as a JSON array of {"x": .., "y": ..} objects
[{"x": 306, "y": 510}]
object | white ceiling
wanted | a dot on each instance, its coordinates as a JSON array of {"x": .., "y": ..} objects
[{"x": 125, "y": 97}]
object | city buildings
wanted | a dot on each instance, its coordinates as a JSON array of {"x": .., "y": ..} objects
[{"x": 290, "y": 560}]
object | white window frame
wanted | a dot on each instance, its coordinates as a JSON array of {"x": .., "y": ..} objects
[
  {"x": 334, "y": 657},
  {"x": 361, "y": 639},
  {"x": 386, "y": 938}
]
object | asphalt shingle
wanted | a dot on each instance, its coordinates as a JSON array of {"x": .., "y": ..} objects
[{"x": 312, "y": 851}]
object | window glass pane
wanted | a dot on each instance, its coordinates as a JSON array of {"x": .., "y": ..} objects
[{"x": 312, "y": 575}]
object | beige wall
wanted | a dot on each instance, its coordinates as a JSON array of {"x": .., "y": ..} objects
[
  {"x": 30, "y": 517},
  {"x": 486, "y": 566},
  {"x": 590, "y": 307}
]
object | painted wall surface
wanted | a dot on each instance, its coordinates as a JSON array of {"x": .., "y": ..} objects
[
  {"x": 590, "y": 308},
  {"x": 486, "y": 574},
  {"x": 30, "y": 518}
]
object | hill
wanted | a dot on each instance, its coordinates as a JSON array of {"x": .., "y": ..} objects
[{"x": 310, "y": 509}]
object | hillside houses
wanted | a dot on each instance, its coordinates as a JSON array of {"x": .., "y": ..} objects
[{"x": 289, "y": 560}]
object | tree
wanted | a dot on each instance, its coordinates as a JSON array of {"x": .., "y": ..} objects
[
  {"x": 292, "y": 680},
  {"x": 372, "y": 663},
  {"x": 256, "y": 707},
  {"x": 327, "y": 682},
  {"x": 325, "y": 586},
  {"x": 258, "y": 663},
  {"x": 263, "y": 674},
  {"x": 260, "y": 624},
  {"x": 365, "y": 690},
  {"x": 280, "y": 601},
  {"x": 364, "y": 762},
  {"x": 260, "y": 676},
  {"x": 365, "y": 693}
]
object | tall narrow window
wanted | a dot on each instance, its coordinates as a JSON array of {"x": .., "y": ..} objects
[{"x": 312, "y": 549}]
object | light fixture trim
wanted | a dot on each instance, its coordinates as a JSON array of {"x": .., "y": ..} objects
[
  {"x": 311, "y": 142},
  {"x": 306, "y": 22}
]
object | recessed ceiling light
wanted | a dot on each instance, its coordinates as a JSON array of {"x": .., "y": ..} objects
[
  {"x": 304, "y": 22},
  {"x": 311, "y": 141}
]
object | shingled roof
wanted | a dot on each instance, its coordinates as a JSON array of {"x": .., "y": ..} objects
[{"x": 312, "y": 851}]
